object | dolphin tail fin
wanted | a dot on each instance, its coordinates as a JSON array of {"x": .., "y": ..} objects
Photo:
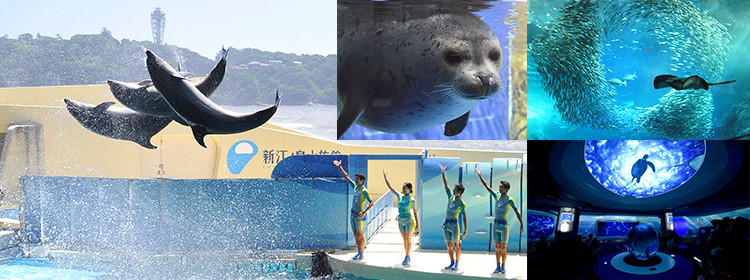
[
  {"x": 661, "y": 81},
  {"x": 722, "y": 83},
  {"x": 199, "y": 132},
  {"x": 224, "y": 52},
  {"x": 625, "y": 83}
]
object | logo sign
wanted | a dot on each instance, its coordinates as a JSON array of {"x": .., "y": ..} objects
[{"x": 239, "y": 155}]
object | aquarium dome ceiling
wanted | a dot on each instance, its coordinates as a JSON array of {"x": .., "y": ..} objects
[
  {"x": 559, "y": 176},
  {"x": 643, "y": 168}
]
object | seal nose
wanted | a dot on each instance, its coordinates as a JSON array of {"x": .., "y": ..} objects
[{"x": 485, "y": 79}]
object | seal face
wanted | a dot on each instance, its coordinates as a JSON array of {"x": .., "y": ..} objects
[{"x": 411, "y": 75}]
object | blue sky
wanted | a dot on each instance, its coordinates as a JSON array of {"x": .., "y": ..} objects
[{"x": 301, "y": 27}]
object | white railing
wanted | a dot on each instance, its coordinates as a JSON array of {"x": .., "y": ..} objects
[{"x": 378, "y": 215}]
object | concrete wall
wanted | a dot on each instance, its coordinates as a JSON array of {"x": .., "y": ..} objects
[{"x": 22, "y": 153}]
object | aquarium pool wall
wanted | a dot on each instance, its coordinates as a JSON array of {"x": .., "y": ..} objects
[{"x": 182, "y": 215}]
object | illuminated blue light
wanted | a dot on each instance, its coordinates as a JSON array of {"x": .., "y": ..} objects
[
  {"x": 681, "y": 226},
  {"x": 611, "y": 162}
]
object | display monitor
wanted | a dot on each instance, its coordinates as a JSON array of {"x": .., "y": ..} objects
[
  {"x": 614, "y": 229},
  {"x": 566, "y": 217}
]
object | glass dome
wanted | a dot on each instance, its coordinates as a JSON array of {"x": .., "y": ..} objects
[{"x": 643, "y": 168}]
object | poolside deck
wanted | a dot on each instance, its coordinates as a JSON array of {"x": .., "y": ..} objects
[{"x": 385, "y": 252}]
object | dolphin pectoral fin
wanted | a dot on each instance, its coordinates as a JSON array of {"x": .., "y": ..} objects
[
  {"x": 661, "y": 81},
  {"x": 349, "y": 114},
  {"x": 454, "y": 127},
  {"x": 145, "y": 142},
  {"x": 199, "y": 132}
]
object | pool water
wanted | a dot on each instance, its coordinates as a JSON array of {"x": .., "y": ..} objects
[
  {"x": 126, "y": 266},
  {"x": 18, "y": 268}
]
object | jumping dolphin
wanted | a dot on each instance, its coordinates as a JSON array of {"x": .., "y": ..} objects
[
  {"x": 144, "y": 98},
  {"x": 203, "y": 115},
  {"x": 692, "y": 82},
  {"x": 116, "y": 122}
]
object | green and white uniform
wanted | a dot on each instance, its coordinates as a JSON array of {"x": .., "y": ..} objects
[
  {"x": 502, "y": 208},
  {"x": 406, "y": 203},
  {"x": 456, "y": 207},
  {"x": 358, "y": 205}
]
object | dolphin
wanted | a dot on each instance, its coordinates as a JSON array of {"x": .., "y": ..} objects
[
  {"x": 692, "y": 82},
  {"x": 203, "y": 115},
  {"x": 145, "y": 98},
  {"x": 117, "y": 122}
]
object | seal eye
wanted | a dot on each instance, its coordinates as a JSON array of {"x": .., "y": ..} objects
[
  {"x": 494, "y": 55},
  {"x": 452, "y": 57}
]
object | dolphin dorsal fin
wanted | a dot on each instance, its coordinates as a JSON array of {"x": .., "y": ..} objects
[
  {"x": 104, "y": 106},
  {"x": 144, "y": 83}
]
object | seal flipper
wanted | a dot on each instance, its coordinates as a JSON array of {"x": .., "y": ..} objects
[
  {"x": 349, "y": 114},
  {"x": 199, "y": 132},
  {"x": 454, "y": 127}
]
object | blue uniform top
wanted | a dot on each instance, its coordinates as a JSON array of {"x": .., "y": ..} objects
[
  {"x": 456, "y": 206},
  {"x": 406, "y": 202},
  {"x": 360, "y": 196},
  {"x": 502, "y": 207}
]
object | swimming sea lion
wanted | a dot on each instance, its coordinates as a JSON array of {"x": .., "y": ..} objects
[
  {"x": 692, "y": 82},
  {"x": 203, "y": 115},
  {"x": 411, "y": 73},
  {"x": 144, "y": 98},
  {"x": 116, "y": 122}
]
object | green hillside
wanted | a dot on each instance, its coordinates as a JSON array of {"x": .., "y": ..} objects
[{"x": 252, "y": 75}]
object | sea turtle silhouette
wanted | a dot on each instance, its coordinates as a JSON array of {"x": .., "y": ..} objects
[{"x": 640, "y": 167}]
